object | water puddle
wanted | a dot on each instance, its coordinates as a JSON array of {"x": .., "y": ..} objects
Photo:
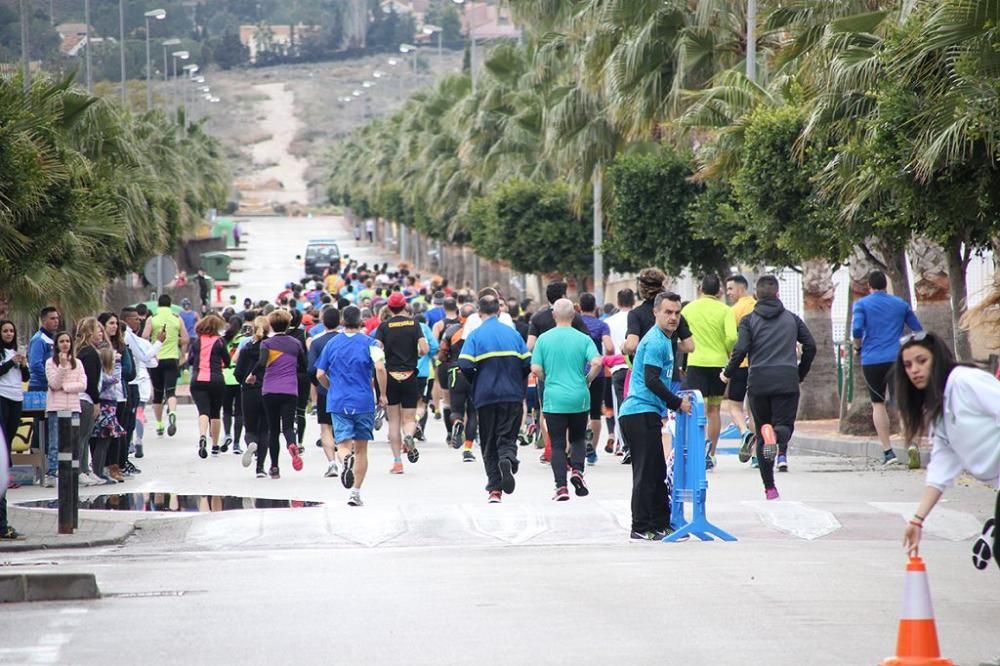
[{"x": 170, "y": 503}]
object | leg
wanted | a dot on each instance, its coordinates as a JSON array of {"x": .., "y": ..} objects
[
  {"x": 507, "y": 424},
  {"x": 86, "y": 425},
  {"x": 488, "y": 416},
  {"x": 156, "y": 378},
  {"x": 272, "y": 414},
  {"x": 360, "y": 462},
  {"x": 880, "y": 416},
  {"x": 650, "y": 503},
  {"x": 558, "y": 425},
  {"x": 237, "y": 414},
  {"x": 301, "y": 404},
  {"x": 784, "y": 408},
  {"x": 227, "y": 411},
  {"x": 170, "y": 386},
  {"x": 577, "y": 431},
  {"x": 714, "y": 425},
  {"x": 877, "y": 380},
  {"x": 287, "y": 406},
  {"x": 394, "y": 416},
  {"x": 760, "y": 407},
  {"x": 471, "y": 422}
]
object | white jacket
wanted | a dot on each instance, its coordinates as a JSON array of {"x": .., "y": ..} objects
[
  {"x": 967, "y": 436},
  {"x": 144, "y": 352}
]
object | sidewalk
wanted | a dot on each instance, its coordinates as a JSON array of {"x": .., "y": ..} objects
[
  {"x": 823, "y": 437},
  {"x": 41, "y": 527}
]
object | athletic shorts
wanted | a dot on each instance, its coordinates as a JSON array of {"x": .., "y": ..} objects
[
  {"x": 405, "y": 393},
  {"x": 531, "y": 398},
  {"x": 597, "y": 397},
  {"x": 460, "y": 393},
  {"x": 353, "y": 426},
  {"x": 707, "y": 381},
  {"x": 737, "y": 387},
  {"x": 322, "y": 416},
  {"x": 877, "y": 377},
  {"x": 422, "y": 388},
  {"x": 443, "y": 373},
  {"x": 208, "y": 398},
  {"x": 164, "y": 378}
]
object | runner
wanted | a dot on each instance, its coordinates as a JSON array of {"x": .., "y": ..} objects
[
  {"x": 601, "y": 335},
  {"x": 282, "y": 357},
  {"x": 404, "y": 344},
  {"x": 640, "y": 419},
  {"x": 232, "y": 404},
  {"x": 769, "y": 336},
  {"x": 742, "y": 304},
  {"x": 208, "y": 357},
  {"x": 558, "y": 360},
  {"x": 451, "y": 318},
  {"x": 618, "y": 328},
  {"x": 714, "y": 329},
  {"x": 425, "y": 377},
  {"x": 495, "y": 361},
  {"x": 348, "y": 362},
  {"x": 462, "y": 414},
  {"x": 164, "y": 374},
  {"x": 331, "y": 322},
  {"x": 251, "y": 380},
  {"x": 876, "y": 325}
]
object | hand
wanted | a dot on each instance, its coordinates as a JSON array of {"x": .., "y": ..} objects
[
  {"x": 118, "y": 357},
  {"x": 911, "y": 539},
  {"x": 685, "y": 405},
  {"x": 97, "y": 411},
  {"x": 723, "y": 377},
  {"x": 383, "y": 401},
  {"x": 63, "y": 358},
  {"x": 251, "y": 380},
  {"x": 162, "y": 337},
  {"x": 19, "y": 359}
]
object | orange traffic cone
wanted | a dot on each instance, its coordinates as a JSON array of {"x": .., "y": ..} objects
[{"x": 917, "y": 644}]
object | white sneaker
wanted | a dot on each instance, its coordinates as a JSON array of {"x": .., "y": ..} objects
[
  {"x": 87, "y": 480},
  {"x": 332, "y": 470},
  {"x": 49, "y": 481},
  {"x": 355, "y": 499}
]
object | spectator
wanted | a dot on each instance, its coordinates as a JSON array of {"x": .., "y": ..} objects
[
  {"x": 13, "y": 373},
  {"x": 40, "y": 348}
]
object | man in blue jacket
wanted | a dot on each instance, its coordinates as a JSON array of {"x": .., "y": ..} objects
[
  {"x": 876, "y": 326},
  {"x": 40, "y": 348},
  {"x": 496, "y": 362}
]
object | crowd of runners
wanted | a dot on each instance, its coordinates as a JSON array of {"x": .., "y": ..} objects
[{"x": 368, "y": 348}]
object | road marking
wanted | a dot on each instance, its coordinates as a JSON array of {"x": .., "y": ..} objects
[
  {"x": 944, "y": 523},
  {"x": 512, "y": 524},
  {"x": 795, "y": 518}
]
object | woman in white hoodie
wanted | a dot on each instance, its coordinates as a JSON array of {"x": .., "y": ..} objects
[{"x": 960, "y": 408}]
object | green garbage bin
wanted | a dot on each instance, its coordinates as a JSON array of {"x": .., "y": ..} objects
[
  {"x": 223, "y": 228},
  {"x": 216, "y": 265}
]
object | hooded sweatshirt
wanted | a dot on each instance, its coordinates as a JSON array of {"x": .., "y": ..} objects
[{"x": 768, "y": 336}]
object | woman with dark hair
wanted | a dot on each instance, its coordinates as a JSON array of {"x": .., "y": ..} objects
[
  {"x": 282, "y": 359},
  {"x": 253, "y": 405},
  {"x": 232, "y": 405},
  {"x": 13, "y": 373},
  {"x": 305, "y": 385},
  {"x": 125, "y": 371},
  {"x": 207, "y": 358},
  {"x": 960, "y": 408},
  {"x": 66, "y": 381}
]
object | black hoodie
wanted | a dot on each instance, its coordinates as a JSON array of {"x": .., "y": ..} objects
[{"x": 768, "y": 336}]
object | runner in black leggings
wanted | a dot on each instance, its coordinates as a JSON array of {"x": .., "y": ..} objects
[
  {"x": 282, "y": 358},
  {"x": 304, "y": 385},
  {"x": 253, "y": 404}
]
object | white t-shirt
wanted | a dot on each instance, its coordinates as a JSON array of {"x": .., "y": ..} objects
[
  {"x": 10, "y": 383},
  {"x": 473, "y": 322},
  {"x": 618, "y": 323}
]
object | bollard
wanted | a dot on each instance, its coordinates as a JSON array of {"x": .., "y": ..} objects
[
  {"x": 74, "y": 440},
  {"x": 690, "y": 481},
  {"x": 65, "y": 473}
]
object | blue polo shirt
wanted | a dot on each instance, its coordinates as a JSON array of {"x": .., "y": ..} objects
[
  {"x": 878, "y": 322},
  {"x": 654, "y": 349},
  {"x": 347, "y": 361}
]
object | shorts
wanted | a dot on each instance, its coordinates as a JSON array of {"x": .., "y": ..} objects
[
  {"x": 422, "y": 388},
  {"x": 347, "y": 427},
  {"x": 597, "y": 398},
  {"x": 531, "y": 398},
  {"x": 877, "y": 377},
  {"x": 707, "y": 381},
  {"x": 460, "y": 393},
  {"x": 405, "y": 393},
  {"x": 164, "y": 378},
  {"x": 737, "y": 391},
  {"x": 322, "y": 416},
  {"x": 208, "y": 398},
  {"x": 443, "y": 372}
]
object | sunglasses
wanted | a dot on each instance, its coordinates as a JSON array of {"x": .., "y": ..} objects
[{"x": 919, "y": 336}]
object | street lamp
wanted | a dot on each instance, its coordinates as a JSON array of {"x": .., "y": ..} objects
[
  {"x": 472, "y": 42},
  {"x": 410, "y": 48},
  {"x": 429, "y": 29},
  {"x": 86, "y": 20},
  {"x": 158, "y": 15},
  {"x": 190, "y": 70},
  {"x": 183, "y": 55},
  {"x": 121, "y": 47}
]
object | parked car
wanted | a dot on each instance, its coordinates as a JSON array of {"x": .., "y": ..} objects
[{"x": 321, "y": 255}]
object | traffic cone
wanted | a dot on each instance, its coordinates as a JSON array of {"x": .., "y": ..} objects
[{"x": 917, "y": 644}]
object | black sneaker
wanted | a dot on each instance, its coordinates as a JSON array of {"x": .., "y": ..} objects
[
  {"x": 138, "y": 451},
  {"x": 411, "y": 449},
  {"x": 660, "y": 535},
  {"x": 457, "y": 435},
  {"x": 579, "y": 485},
  {"x": 889, "y": 458},
  {"x": 171, "y": 424},
  {"x": 506, "y": 476},
  {"x": 131, "y": 469},
  {"x": 641, "y": 536},
  {"x": 418, "y": 434},
  {"x": 261, "y": 474},
  {"x": 347, "y": 475},
  {"x": 10, "y": 534},
  {"x": 468, "y": 456},
  {"x": 215, "y": 449},
  {"x": 226, "y": 444},
  {"x": 274, "y": 473},
  {"x": 202, "y": 447}
]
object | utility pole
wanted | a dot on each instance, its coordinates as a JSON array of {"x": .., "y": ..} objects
[
  {"x": 86, "y": 20},
  {"x": 598, "y": 234},
  {"x": 121, "y": 50},
  {"x": 25, "y": 58},
  {"x": 751, "y": 40}
]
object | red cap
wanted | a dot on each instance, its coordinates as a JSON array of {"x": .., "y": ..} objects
[{"x": 396, "y": 300}]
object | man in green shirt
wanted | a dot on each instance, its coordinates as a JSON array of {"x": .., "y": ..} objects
[
  {"x": 567, "y": 361},
  {"x": 164, "y": 375},
  {"x": 714, "y": 330}
]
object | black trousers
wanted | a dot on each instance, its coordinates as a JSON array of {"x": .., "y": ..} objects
[
  {"x": 256, "y": 424},
  {"x": 232, "y": 411},
  {"x": 127, "y": 419},
  {"x": 498, "y": 427},
  {"x": 618, "y": 387},
  {"x": 563, "y": 428},
  {"x": 10, "y": 420},
  {"x": 650, "y": 502},
  {"x": 279, "y": 409},
  {"x": 116, "y": 444},
  {"x": 779, "y": 410}
]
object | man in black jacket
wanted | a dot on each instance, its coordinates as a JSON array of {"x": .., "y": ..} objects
[{"x": 768, "y": 336}]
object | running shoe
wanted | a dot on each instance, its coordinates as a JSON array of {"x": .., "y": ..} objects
[
  {"x": 274, "y": 473},
  {"x": 138, "y": 451},
  {"x": 347, "y": 477},
  {"x": 771, "y": 493},
  {"x": 249, "y": 453},
  {"x": 293, "y": 451},
  {"x": 302, "y": 449},
  {"x": 132, "y": 469},
  {"x": 332, "y": 470},
  {"x": 709, "y": 462},
  {"x": 641, "y": 536},
  {"x": 418, "y": 434},
  {"x": 562, "y": 494},
  {"x": 203, "y": 447},
  {"x": 609, "y": 447},
  {"x": 770, "y": 441},
  {"x": 889, "y": 458},
  {"x": 522, "y": 438},
  {"x": 506, "y": 476},
  {"x": 782, "y": 462},
  {"x": 215, "y": 449},
  {"x": 913, "y": 457},
  {"x": 468, "y": 456},
  {"x": 261, "y": 474},
  {"x": 627, "y": 458},
  {"x": 591, "y": 454},
  {"x": 457, "y": 435},
  {"x": 10, "y": 534},
  {"x": 660, "y": 535},
  {"x": 411, "y": 449},
  {"x": 159, "y": 430},
  {"x": 434, "y": 410},
  {"x": 397, "y": 468},
  {"x": 982, "y": 551},
  {"x": 495, "y": 497},
  {"x": 579, "y": 485},
  {"x": 379, "y": 417},
  {"x": 237, "y": 449},
  {"x": 355, "y": 499},
  {"x": 746, "y": 446},
  {"x": 171, "y": 424},
  {"x": 226, "y": 443},
  {"x": 753, "y": 463}
]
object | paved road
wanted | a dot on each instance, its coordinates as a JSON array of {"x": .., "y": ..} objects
[{"x": 428, "y": 573}]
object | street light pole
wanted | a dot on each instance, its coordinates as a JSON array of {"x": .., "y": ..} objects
[
  {"x": 121, "y": 50},
  {"x": 159, "y": 15},
  {"x": 751, "y": 40},
  {"x": 86, "y": 20},
  {"x": 25, "y": 58}
]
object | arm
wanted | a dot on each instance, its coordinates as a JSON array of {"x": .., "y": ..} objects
[
  {"x": 53, "y": 373},
  {"x": 857, "y": 324},
  {"x": 651, "y": 377},
  {"x": 911, "y": 320},
  {"x": 630, "y": 345},
  {"x": 185, "y": 339},
  {"x": 467, "y": 359},
  {"x": 742, "y": 347},
  {"x": 322, "y": 379},
  {"x": 805, "y": 338},
  {"x": 731, "y": 334},
  {"x": 422, "y": 347},
  {"x": 75, "y": 381},
  {"x": 532, "y": 339},
  {"x": 147, "y": 330},
  {"x": 223, "y": 353},
  {"x": 380, "y": 377},
  {"x": 261, "y": 368},
  {"x": 596, "y": 368},
  {"x": 539, "y": 372},
  {"x": 914, "y": 528},
  {"x": 36, "y": 356},
  {"x": 685, "y": 338},
  {"x": 301, "y": 360},
  {"x": 609, "y": 345}
]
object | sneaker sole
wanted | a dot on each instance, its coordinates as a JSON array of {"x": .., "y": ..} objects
[
  {"x": 172, "y": 428},
  {"x": 745, "y": 452},
  {"x": 347, "y": 475},
  {"x": 982, "y": 552},
  {"x": 248, "y": 454},
  {"x": 579, "y": 486},
  {"x": 293, "y": 451},
  {"x": 202, "y": 452},
  {"x": 887, "y": 463},
  {"x": 770, "y": 441},
  {"x": 561, "y": 498},
  {"x": 413, "y": 455},
  {"x": 352, "y": 502},
  {"x": 507, "y": 482}
]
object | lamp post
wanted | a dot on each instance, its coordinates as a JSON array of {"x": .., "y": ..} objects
[
  {"x": 183, "y": 55},
  {"x": 121, "y": 47},
  {"x": 472, "y": 42},
  {"x": 190, "y": 69},
  {"x": 410, "y": 48},
  {"x": 86, "y": 20},
  {"x": 159, "y": 15},
  {"x": 429, "y": 29}
]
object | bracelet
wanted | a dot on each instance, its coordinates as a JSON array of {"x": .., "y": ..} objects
[
  {"x": 916, "y": 524},
  {"x": 918, "y": 517}
]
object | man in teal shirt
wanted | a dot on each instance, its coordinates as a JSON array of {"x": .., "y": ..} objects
[
  {"x": 567, "y": 361},
  {"x": 640, "y": 417}
]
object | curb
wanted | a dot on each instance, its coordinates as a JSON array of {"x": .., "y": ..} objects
[
  {"x": 869, "y": 448},
  {"x": 16, "y": 588},
  {"x": 118, "y": 534}
]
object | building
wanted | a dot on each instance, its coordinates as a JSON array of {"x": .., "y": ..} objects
[{"x": 267, "y": 37}]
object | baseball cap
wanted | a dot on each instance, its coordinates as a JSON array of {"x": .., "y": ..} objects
[{"x": 396, "y": 300}]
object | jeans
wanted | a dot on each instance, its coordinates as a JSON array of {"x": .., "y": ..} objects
[
  {"x": 574, "y": 428},
  {"x": 498, "y": 426},
  {"x": 86, "y": 425},
  {"x": 778, "y": 410},
  {"x": 52, "y": 434},
  {"x": 650, "y": 502}
]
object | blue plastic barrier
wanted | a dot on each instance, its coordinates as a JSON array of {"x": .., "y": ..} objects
[{"x": 690, "y": 482}]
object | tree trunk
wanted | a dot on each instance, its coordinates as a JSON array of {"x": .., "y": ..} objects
[
  {"x": 930, "y": 280},
  {"x": 958, "y": 265},
  {"x": 896, "y": 269},
  {"x": 857, "y": 419},
  {"x": 819, "y": 391}
]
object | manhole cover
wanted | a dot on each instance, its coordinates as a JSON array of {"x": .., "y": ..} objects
[{"x": 171, "y": 503}]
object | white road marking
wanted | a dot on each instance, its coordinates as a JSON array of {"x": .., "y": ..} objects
[
  {"x": 795, "y": 518},
  {"x": 512, "y": 524},
  {"x": 944, "y": 523}
]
